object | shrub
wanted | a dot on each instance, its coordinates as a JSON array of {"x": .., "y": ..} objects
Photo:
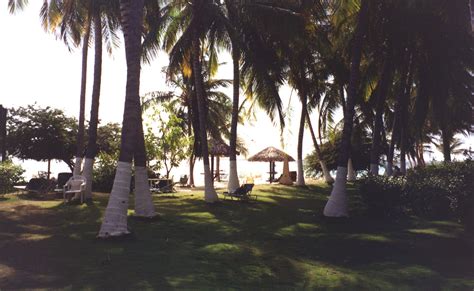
[
  {"x": 441, "y": 191},
  {"x": 10, "y": 174},
  {"x": 104, "y": 173},
  {"x": 383, "y": 195}
]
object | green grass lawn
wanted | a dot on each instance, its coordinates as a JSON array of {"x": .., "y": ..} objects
[{"x": 281, "y": 241}]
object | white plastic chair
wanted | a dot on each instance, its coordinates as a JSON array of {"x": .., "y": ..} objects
[{"x": 75, "y": 184}]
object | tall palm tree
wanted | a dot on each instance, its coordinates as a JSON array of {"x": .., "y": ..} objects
[
  {"x": 115, "y": 217},
  {"x": 72, "y": 19},
  {"x": 337, "y": 203},
  {"x": 91, "y": 150}
]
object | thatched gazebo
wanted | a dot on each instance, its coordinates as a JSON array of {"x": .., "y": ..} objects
[
  {"x": 271, "y": 155},
  {"x": 217, "y": 149}
]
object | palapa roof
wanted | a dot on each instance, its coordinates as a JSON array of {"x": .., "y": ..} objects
[
  {"x": 219, "y": 148},
  {"x": 271, "y": 154}
]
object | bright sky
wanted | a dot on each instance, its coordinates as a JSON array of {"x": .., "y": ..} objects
[{"x": 35, "y": 67}]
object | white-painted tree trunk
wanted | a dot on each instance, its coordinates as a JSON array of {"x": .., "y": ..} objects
[
  {"x": 374, "y": 169},
  {"x": 210, "y": 194},
  {"x": 327, "y": 176},
  {"x": 87, "y": 173},
  {"x": 300, "y": 174},
  {"x": 143, "y": 203},
  {"x": 351, "y": 174},
  {"x": 115, "y": 218},
  {"x": 389, "y": 169},
  {"x": 77, "y": 166},
  {"x": 337, "y": 203},
  {"x": 233, "y": 177}
]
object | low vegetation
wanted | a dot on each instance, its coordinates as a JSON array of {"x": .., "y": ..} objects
[
  {"x": 439, "y": 191},
  {"x": 280, "y": 241}
]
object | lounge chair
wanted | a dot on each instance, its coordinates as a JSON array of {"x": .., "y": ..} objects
[
  {"x": 242, "y": 193},
  {"x": 62, "y": 180},
  {"x": 75, "y": 184},
  {"x": 183, "y": 180},
  {"x": 40, "y": 186}
]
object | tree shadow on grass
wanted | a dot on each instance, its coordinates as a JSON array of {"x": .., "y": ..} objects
[{"x": 277, "y": 242}]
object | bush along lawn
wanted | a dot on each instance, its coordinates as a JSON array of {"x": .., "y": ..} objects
[
  {"x": 442, "y": 191},
  {"x": 281, "y": 241}
]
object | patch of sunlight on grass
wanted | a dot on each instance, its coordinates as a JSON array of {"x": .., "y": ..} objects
[
  {"x": 33, "y": 236},
  {"x": 178, "y": 281},
  {"x": 318, "y": 275},
  {"x": 221, "y": 249},
  {"x": 46, "y": 204},
  {"x": 6, "y": 271},
  {"x": 207, "y": 218},
  {"x": 432, "y": 231},
  {"x": 371, "y": 237},
  {"x": 296, "y": 229},
  {"x": 202, "y": 215}
]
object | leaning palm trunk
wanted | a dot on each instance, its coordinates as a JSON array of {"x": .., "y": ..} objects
[
  {"x": 382, "y": 89},
  {"x": 337, "y": 203},
  {"x": 82, "y": 100},
  {"x": 304, "y": 111},
  {"x": 94, "y": 118},
  {"x": 210, "y": 194},
  {"x": 143, "y": 203},
  {"x": 327, "y": 176},
  {"x": 233, "y": 175},
  {"x": 115, "y": 217}
]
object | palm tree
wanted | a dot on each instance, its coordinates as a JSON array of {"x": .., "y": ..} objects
[
  {"x": 91, "y": 149},
  {"x": 66, "y": 17},
  {"x": 115, "y": 218},
  {"x": 337, "y": 203}
]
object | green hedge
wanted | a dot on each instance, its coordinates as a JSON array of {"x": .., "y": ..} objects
[
  {"x": 441, "y": 191},
  {"x": 10, "y": 174}
]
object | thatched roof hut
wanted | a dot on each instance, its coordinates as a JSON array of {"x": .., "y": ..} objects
[
  {"x": 219, "y": 148},
  {"x": 271, "y": 154}
]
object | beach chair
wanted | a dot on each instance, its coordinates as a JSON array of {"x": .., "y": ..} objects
[
  {"x": 243, "y": 193},
  {"x": 62, "y": 180},
  {"x": 40, "y": 186},
  {"x": 75, "y": 184},
  {"x": 183, "y": 180}
]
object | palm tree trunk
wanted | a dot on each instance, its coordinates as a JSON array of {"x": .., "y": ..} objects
[
  {"x": 304, "y": 111},
  {"x": 446, "y": 137},
  {"x": 397, "y": 122},
  {"x": 210, "y": 194},
  {"x": 94, "y": 117},
  {"x": 143, "y": 202},
  {"x": 82, "y": 100},
  {"x": 233, "y": 175},
  {"x": 115, "y": 217},
  {"x": 382, "y": 89},
  {"x": 327, "y": 176},
  {"x": 404, "y": 116},
  {"x": 337, "y": 203},
  {"x": 192, "y": 160}
]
